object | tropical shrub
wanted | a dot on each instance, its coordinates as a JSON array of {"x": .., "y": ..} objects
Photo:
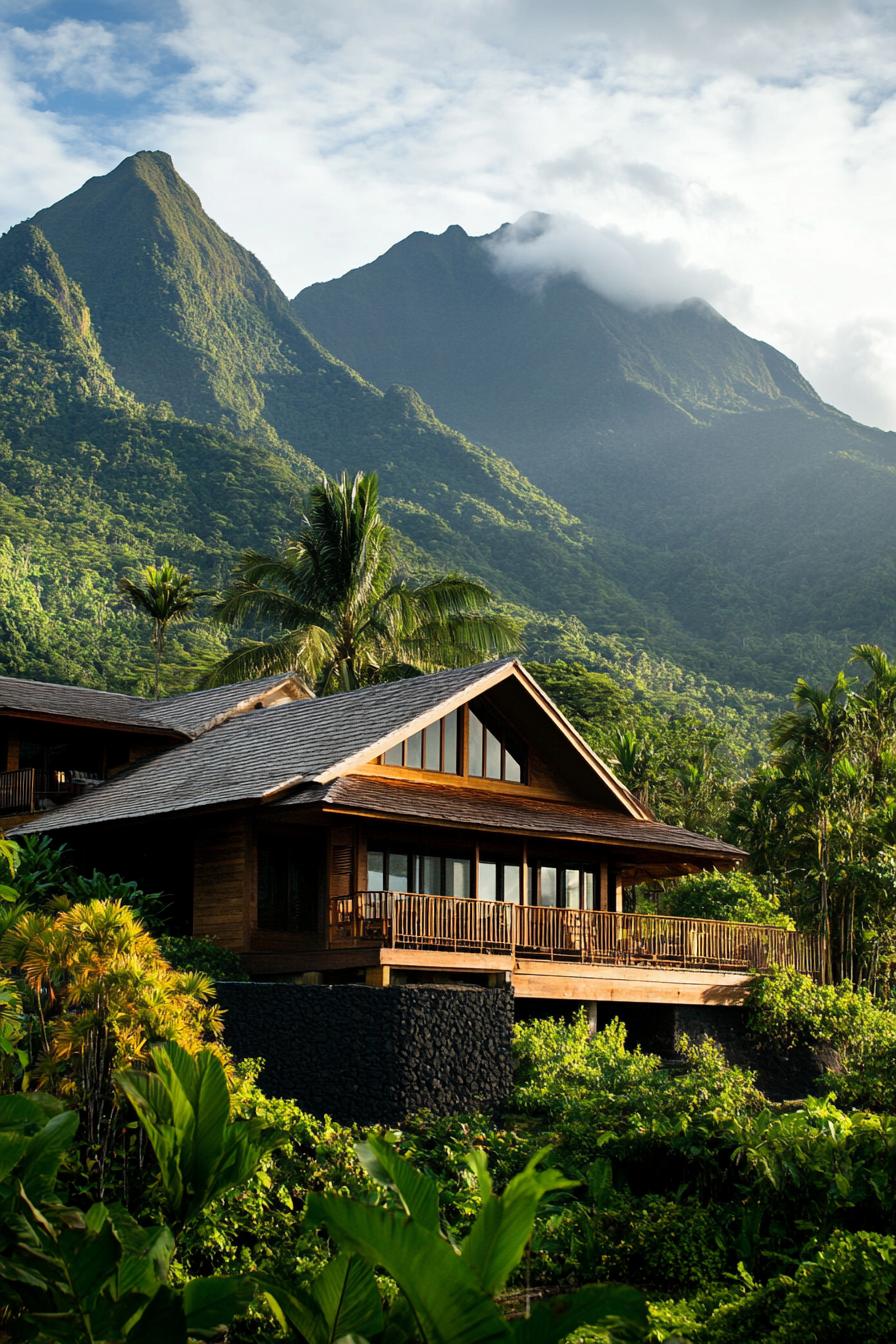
[
  {"x": 788, "y": 1010},
  {"x": 203, "y": 955},
  {"x": 94, "y": 1275},
  {"x": 259, "y": 1227},
  {"x": 844, "y": 1291},
  {"x": 101, "y": 995},
  {"x": 595, "y": 1098},
  {"x": 446, "y": 1287},
  {"x": 14, "y": 1056},
  {"x": 736, "y": 896},
  {"x": 667, "y": 1242}
]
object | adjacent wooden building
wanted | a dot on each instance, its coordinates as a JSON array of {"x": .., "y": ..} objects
[{"x": 452, "y": 826}]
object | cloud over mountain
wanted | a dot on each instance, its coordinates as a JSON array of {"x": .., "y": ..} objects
[{"x": 622, "y": 267}]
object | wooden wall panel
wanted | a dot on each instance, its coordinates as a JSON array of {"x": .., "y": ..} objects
[
  {"x": 340, "y": 860},
  {"x": 224, "y": 883}
]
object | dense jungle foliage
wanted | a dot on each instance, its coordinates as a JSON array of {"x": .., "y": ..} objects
[{"x": 728, "y": 1217}]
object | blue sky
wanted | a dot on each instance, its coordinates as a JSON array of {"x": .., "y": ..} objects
[{"x": 740, "y": 151}]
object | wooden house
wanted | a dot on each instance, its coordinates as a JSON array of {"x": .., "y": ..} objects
[{"x": 451, "y": 826}]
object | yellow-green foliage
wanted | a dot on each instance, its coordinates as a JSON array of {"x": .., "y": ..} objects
[{"x": 102, "y": 995}]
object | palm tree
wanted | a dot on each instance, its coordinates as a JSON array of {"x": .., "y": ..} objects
[
  {"x": 812, "y": 742},
  {"x": 877, "y": 705},
  {"x": 166, "y": 595},
  {"x": 338, "y": 612}
]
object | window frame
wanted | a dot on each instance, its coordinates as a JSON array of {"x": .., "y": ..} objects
[
  {"x": 422, "y": 733},
  {"x": 582, "y": 869}
]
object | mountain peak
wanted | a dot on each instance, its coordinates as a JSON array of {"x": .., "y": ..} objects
[{"x": 160, "y": 275}]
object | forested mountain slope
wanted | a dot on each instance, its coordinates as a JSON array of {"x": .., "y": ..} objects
[
  {"x": 755, "y": 515},
  {"x": 140, "y": 295}
]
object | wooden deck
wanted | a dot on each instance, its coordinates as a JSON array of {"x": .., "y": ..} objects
[{"x": 568, "y": 954}]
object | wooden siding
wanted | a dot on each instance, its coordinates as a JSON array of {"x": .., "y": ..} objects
[{"x": 224, "y": 883}]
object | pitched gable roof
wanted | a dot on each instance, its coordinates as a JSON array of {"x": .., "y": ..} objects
[
  {"x": 198, "y": 712},
  {"x": 182, "y": 715},
  {"x": 70, "y": 702},
  {"x": 256, "y": 757}
]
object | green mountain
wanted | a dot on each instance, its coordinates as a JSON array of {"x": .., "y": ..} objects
[
  {"x": 753, "y": 515},
  {"x": 187, "y": 317},
  {"x": 160, "y": 397}
]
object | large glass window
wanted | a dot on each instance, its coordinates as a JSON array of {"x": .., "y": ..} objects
[
  {"x": 288, "y": 886},
  {"x": 565, "y": 886},
  {"x": 432, "y": 874},
  {"x": 499, "y": 881}
]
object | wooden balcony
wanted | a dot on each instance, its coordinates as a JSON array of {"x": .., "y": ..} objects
[
  {"x": 25, "y": 791},
  {"x": 570, "y": 938}
]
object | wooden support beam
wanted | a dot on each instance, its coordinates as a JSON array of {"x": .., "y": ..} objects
[{"x": 380, "y": 977}]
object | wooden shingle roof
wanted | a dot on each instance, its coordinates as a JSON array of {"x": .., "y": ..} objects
[
  {"x": 482, "y": 810},
  {"x": 181, "y": 715},
  {"x": 256, "y": 756},
  {"x": 70, "y": 702}
]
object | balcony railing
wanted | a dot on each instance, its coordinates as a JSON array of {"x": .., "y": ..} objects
[
  {"x": 594, "y": 937},
  {"x": 29, "y": 790}
]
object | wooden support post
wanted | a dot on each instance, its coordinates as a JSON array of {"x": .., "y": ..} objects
[
  {"x": 603, "y": 902},
  {"x": 378, "y": 976},
  {"x": 311, "y": 978}
]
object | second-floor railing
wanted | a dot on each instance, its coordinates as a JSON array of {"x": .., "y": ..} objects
[
  {"x": 596, "y": 937},
  {"x": 18, "y": 790}
]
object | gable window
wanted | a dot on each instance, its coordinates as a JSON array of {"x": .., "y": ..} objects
[
  {"x": 489, "y": 756},
  {"x": 433, "y": 748},
  {"x": 490, "y": 753}
]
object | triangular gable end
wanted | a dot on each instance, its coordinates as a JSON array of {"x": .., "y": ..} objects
[{"x": 531, "y": 711}]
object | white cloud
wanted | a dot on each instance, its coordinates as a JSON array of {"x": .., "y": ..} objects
[
  {"x": 622, "y": 267},
  {"x": 87, "y": 55},
  {"x": 749, "y": 140}
]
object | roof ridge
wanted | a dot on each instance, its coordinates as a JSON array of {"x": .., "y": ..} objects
[{"x": 73, "y": 686}]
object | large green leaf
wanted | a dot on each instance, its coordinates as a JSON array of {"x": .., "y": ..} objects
[
  {"x": 343, "y": 1302},
  {"x": 498, "y": 1238},
  {"x": 620, "y": 1312},
  {"x": 418, "y": 1192},
  {"x": 184, "y": 1107},
  {"x": 348, "y": 1298},
  {"x": 91, "y": 1257},
  {"x": 161, "y": 1320},
  {"x": 147, "y": 1253},
  {"x": 38, "y": 1167},
  {"x": 294, "y": 1308},
  {"x": 211, "y": 1304},
  {"x": 448, "y": 1303},
  {"x": 13, "y": 1147}
]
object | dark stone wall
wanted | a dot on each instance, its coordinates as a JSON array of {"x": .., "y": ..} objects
[{"x": 366, "y": 1055}]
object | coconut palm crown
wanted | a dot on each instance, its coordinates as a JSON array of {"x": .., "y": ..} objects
[
  {"x": 338, "y": 612},
  {"x": 166, "y": 595}
]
